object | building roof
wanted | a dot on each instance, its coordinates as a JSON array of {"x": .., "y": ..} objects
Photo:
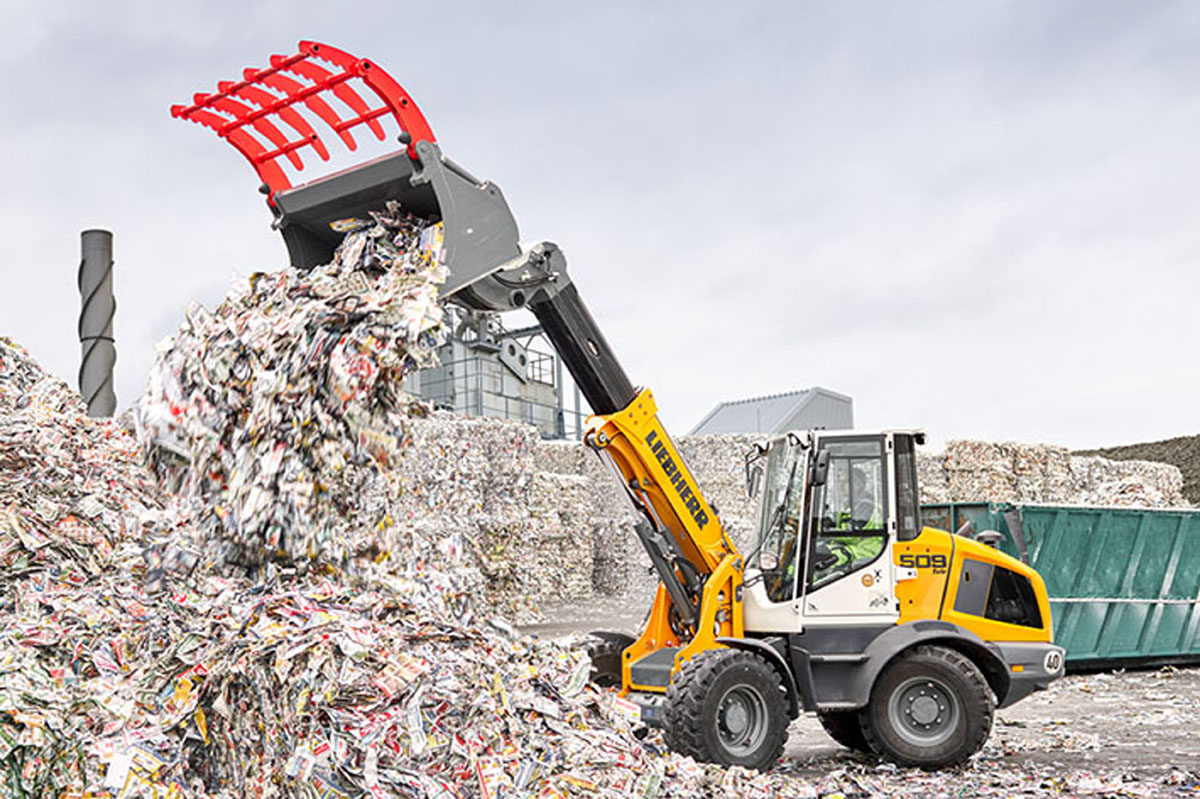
[{"x": 776, "y": 413}]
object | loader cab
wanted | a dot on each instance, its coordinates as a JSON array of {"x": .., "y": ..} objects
[{"x": 831, "y": 506}]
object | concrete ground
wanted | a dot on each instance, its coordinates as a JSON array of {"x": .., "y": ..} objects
[
  {"x": 1121, "y": 733},
  {"x": 1143, "y": 723}
]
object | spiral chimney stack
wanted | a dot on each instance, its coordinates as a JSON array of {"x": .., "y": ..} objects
[{"x": 96, "y": 323}]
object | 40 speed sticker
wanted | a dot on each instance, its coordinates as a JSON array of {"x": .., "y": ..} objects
[{"x": 1053, "y": 661}]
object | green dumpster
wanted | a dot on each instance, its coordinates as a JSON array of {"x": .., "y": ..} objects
[{"x": 1124, "y": 583}]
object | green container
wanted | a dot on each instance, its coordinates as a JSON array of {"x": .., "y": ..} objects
[{"x": 1124, "y": 583}]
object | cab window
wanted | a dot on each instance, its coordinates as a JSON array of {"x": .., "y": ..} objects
[
  {"x": 908, "y": 504},
  {"x": 777, "y": 553},
  {"x": 850, "y": 517},
  {"x": 1011, "y": 599},
  {"x": 997, "y": 593}
]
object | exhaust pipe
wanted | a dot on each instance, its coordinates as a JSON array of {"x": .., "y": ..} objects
[{"x": 96, "y": 323}]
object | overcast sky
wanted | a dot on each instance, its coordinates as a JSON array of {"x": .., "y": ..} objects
[{"x": 976, "y": 218}]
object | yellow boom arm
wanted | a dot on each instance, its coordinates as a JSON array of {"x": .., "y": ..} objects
[{"x": 699, "y": 598}]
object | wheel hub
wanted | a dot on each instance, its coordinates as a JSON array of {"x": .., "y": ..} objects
[
  {"x": 736, "y": 718},
  {"x": 741, "y": 720},
  {"x": 924, "y": 711}
]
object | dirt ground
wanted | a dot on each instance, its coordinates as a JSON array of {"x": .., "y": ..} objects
[{"x": 1121, "y": 733}]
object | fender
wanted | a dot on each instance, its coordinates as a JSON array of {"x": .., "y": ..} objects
[
  {"x": 772, "y": 656},
  {"x": 886, "y": 647}
]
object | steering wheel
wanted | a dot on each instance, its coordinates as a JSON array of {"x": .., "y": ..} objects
[{"x": 829, "y": 553}]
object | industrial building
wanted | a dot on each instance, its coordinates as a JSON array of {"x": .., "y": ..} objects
[
  {"x": 488, "y": 370},
  {"x": 806, "y": 409}
]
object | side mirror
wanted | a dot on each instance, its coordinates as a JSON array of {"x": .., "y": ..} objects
[
  {"x": 821, "y": 469},
  {"x": 754, "y": 470},
  {"x": 754, "y": 473}
]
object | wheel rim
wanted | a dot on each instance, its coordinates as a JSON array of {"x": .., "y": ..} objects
[
  {"x": 742, "y": 720},
  {"x": 923, "y": 711}
]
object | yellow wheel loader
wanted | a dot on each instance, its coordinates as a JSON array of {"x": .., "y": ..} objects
[{"x": 901, "y": 639}]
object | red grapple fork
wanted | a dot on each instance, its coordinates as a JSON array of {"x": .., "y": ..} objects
[
  {"x": 299, "y": 79},
  {"x": 269, "y": 115},
  {"x": 486, "y": 268}
]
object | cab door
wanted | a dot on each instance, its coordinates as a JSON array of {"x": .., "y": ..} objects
[
  {"x": 776, "y": 564},
  {"x": 849, "y": 578}
]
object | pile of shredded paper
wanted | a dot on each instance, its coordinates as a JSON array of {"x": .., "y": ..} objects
[{"x": 280, "y": 411}]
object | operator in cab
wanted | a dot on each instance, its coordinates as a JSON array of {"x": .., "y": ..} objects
[{"x": 852, "y": 531}]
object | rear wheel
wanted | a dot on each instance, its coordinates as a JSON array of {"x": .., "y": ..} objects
[
  {"x": 727, "y": 707},
  {"x": 931, "y": 707},
  {"x": 605, "y": 650},
  {"x": 844, "y": 727}
]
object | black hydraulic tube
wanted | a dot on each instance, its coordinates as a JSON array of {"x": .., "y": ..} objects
[
  {"x": 659, "y": 547},
  {"x": 567, "y": 323}
]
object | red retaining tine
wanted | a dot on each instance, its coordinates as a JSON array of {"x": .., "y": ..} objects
[
  {"x": 267, "y": 96},
  {"x": 223, "y": 102},
  {"x": 262, "y": 97},
  {"x": 318, "y": 74}
]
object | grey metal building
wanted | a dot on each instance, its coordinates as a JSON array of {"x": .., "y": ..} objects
[
  {"x": 487, "y": 370},
  {"x": 806, "y": 409}
]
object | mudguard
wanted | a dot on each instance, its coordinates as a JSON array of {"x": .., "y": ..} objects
[{"x": 887, "y": 646}]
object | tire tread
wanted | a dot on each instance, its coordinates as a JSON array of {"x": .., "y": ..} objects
[
  {"x": 605, "y": 654},
  {"x": 683, "y": 730},
  {"x": 981, "y": 696},
  {"x": 844, "y": 727}
]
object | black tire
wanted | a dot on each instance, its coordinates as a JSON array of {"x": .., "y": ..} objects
[
  {"x": 844, "y": 727},
  {"x": 930, "y": 708},
  {"x": 605, "y": 650},
  {"x": 727, "y": 707}
]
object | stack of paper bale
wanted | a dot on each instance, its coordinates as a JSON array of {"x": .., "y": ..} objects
[
  {"x": 603, "y": 518},
  {"x": 719, "y": 465},
  {"x": 932, "y": 478},
  {"x": 1183, "y": 452},
  {"x": 478, "y": 482},
  {"x": 978, "y": 471},
  {"x": 1100, "y": 481},
  {"x": 620, "y": 566}
]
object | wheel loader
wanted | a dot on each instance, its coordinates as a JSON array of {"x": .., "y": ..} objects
[{"x": 901, "y": 639}]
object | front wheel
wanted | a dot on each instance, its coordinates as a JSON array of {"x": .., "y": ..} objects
[
  {"x": 727, "y": 707},
  {"x": 931, "y": 708}
]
